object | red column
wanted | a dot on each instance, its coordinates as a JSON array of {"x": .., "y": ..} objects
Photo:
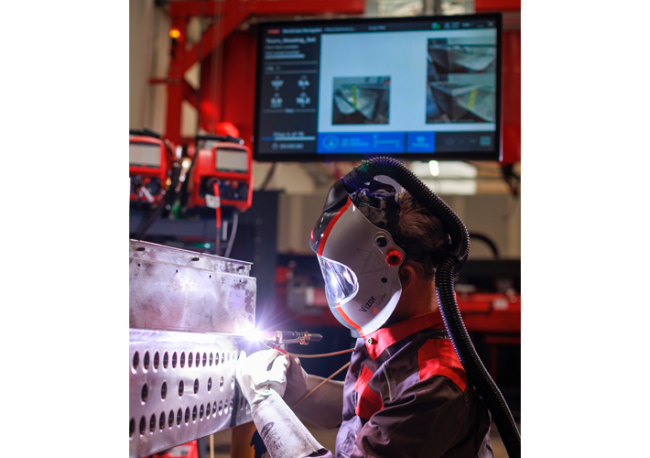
[
  {"x": 511, "y": 75},
  {"x": 175, "y": 84}
]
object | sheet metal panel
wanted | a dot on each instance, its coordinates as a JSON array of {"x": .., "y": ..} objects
[
  {"x": 180, "y": 290},
  {"x": 181, "y": 387}
]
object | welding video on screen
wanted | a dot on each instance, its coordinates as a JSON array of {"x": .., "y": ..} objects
[
  {"x": 460, "y": 81},
  {"x": 408, "y": 81},
  {"x": 361, "y": 100}
]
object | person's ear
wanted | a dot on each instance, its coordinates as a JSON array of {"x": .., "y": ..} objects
[{"x": 407, "y": 276}]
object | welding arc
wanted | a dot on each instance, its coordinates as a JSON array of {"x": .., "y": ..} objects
[
  {"x": 320, "y": 384},
  {"x": 322, "y": 355}
]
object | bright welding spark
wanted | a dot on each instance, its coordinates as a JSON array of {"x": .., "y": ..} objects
[{"x": 254, "y": 335}]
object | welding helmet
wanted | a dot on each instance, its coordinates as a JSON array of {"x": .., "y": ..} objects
[{"x": 358, "y": 257}]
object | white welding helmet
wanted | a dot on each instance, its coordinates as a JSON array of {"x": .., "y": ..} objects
[{"x": 360, "y": 264}]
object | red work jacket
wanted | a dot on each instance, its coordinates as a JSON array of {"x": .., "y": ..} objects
[{"x": 406, "y": 394}]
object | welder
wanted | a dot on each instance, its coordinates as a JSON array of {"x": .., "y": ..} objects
[{"x": 406, "y": 394}]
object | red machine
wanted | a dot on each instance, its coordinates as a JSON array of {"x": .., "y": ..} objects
[
  {"x": 222, "y": 175},
  {"x": 150, "y": 167},
  {"x": 187, "y": 450}
]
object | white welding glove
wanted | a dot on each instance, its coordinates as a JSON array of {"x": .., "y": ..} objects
[
  {"x": 262, "y": 377},
  {"x": 262, "y": 373},
  {"x": 323, "y": 407}
]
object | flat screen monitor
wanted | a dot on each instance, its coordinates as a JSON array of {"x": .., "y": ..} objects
[{"x": 411, "y": 88}]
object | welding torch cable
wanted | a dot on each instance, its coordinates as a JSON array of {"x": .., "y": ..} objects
[
  {"x": 322, "y": 355},
  {"x": 320, "y": 384}
]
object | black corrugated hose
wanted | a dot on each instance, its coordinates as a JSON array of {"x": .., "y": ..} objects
[{"x": 461, "y": 341}]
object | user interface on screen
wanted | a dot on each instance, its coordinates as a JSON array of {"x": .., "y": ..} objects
[{"x": 417, "y": 87}]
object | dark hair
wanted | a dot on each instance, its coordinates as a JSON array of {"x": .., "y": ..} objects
[{"x": 421, "y": 235}]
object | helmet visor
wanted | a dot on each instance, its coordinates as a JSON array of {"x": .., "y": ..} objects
[{"x": 340, "y": 281}]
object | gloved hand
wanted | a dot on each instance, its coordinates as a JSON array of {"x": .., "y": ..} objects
[
  {"x": 323, "y": 407},
  {"x": 262, "y": 378},
  {"x": 262, "y": 372},
  {"x": 297, "y": 381}
]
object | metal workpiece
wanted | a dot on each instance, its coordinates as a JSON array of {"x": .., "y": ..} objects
[
  {"x": 179, "y": 290},
  {"x": 187, "y": 314},
  {"x": 182, "y": 387},
  {"x": 456, "y": 100},
  {"x": 171, "y": 255}
]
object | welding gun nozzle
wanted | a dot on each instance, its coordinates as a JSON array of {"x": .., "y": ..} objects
[{"x": 289, "y": 337}]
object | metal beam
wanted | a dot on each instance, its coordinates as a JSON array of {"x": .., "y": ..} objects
[
  {"x": 482, "y": 6},
  {"x": 266, "y": 7},
  {"x": 201, "y": 8},
  {"x": 213, "y": 37},
  {"x": 287, "y": 7},
  {"x": 189, "y": 94}
]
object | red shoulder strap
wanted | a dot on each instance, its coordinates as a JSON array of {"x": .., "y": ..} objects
[
  {"x": 369, "y": 401},
  {"x": 438, "y": 357}
]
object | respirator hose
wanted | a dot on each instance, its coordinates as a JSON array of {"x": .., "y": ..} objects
[
  {"x": 471, "y": 362},
  {"x": 445, "y": 272}
]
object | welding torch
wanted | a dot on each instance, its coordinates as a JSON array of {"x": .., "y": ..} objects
[{"x": 289, "y": 337}]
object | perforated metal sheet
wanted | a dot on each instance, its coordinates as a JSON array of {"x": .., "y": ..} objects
[{"x": 182, "y": 387}]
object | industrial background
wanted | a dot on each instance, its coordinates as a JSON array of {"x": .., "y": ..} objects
[
  {"x": 192, "y": 74},
  {"x": 78, "y": 73}
]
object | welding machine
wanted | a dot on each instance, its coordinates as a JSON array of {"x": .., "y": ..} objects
[
  {"x": 222, "y": 174},
  {"x": 151, "y": 161}
]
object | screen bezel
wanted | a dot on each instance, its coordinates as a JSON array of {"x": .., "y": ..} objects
[{"x": 495, "y": 155}]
